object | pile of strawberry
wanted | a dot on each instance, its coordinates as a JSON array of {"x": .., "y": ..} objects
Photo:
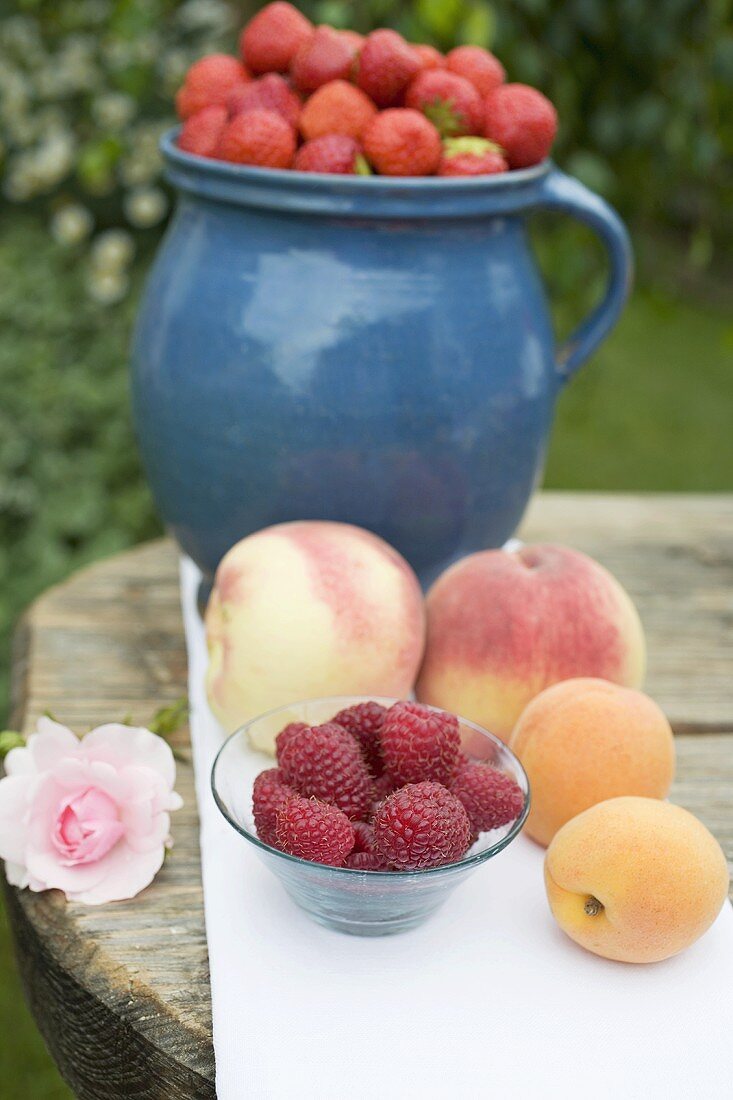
[
  {"x": 380, "y": 789},
  {"x": 321, "y": 100}
]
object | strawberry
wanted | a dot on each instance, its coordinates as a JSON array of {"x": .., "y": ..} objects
[
  {"x": 356, "y": 39},
  {"x": 430, "y": 58},
  {"x": 402, "y": 142},
  {"x": 335, "y": 153},
  {"x": 201, "y": 132},
  {"x": 271, "y": 39},
  {"x": 336, "y": 108},
  {"x": 327, "y": 56},
  {"x": 451, "y": 103},
  {"x": 208, "y": 83},
  {"x": 258, "y": 137},
  {"x": 471, "y": 156},
  {"x": 523, "y": 122},
  {"x": 387, "y": 64},
  {"x": 269, "y": 93},
  {"x": 478, "y": 66}
]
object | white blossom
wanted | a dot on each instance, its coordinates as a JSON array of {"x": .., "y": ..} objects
[
  {"x": 72, "y": 224},
  {"x": 107, "y": 287},
  {"x": 53, "y": 159},
  {"x": 113, "y": 110},
  {"x": 18, "y": 184},
  {"x": 145, "y": 207},
  {"x": 112, "y": 251},
  {"x": 210, "y": 14}
]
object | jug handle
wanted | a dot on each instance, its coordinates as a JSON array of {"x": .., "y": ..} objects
[{"x": 568, "y": 196}]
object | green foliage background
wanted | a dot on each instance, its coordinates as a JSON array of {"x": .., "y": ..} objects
[{"x": 645, "y": 95}]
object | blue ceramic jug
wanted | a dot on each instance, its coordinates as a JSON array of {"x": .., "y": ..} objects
[{"x": 377, "y": 351}]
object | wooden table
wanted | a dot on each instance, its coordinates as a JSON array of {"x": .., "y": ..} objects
[{"x": 121, "y": 993}]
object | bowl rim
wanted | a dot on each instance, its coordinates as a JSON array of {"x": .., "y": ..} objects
[{"x": 461, "y": 864}]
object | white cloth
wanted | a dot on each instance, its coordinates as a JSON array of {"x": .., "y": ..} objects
[{"x": 487, "y": 999}]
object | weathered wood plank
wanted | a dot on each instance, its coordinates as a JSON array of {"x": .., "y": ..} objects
[{"x": 121, "y": 992}]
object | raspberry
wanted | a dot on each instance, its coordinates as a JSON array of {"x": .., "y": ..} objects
[
  {"x": 268, "y": 794},
  {"x": 471, "y": 156},
  {"x": 491, "y": 798},
  {"x": 478, "y": 66},
  {"x": 258, "y": 137},
  {"x": 285, "y": 734},
  {"x": 419, "y": 743},
  {"x": 201, "y": 132},
  {"x": 382, "y": 787},
  {"x": 451, "y": 103},
  {"x": 422, "y": 825},
  {"x": 270, "y": 93},
  {"x": 327, "y": 56},
  {"x": 364, "y": 723},
  {"x": 334, "y": 153},
  {"x": 313, "y": 830},
  {"x": 336, "y": 108},
  {"x": 363, "y": 837},
  {"x": 326, "y": 762},
  {"x": 387, "y": 64},
  {"x": 271, "y": 39},
  {"x": 430, "y": 58},
  {"x": 401, "y": 142},
  {"x": 366, "y": 861},
  {"x": 523, "y": 122},
  {"x": 208, "y": 83}
]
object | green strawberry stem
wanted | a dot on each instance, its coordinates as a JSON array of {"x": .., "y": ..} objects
[{"x": 472, "y": 146}]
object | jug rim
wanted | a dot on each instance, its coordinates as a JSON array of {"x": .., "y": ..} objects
[{"x": 358, "y": 196}]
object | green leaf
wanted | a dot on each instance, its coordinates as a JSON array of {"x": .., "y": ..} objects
[
  {"x": 169, "y": 719},
  {"x": 478, "y": 26},
  {"x": 10, "y": 739}
]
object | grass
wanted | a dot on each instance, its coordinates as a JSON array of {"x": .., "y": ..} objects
[{"x": 652, "y": 411}]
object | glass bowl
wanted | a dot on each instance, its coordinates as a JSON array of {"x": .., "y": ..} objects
[{"x": 364, "y": 903}]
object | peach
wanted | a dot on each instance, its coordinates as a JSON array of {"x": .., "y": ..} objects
[
  {"x": 635, "y": 879},
  {"x": 503, "y": 625},
  {"x": 307, "y": 609},
  {"x": 583, "y": 741}
]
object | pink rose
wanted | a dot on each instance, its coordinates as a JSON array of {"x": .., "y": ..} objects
[{"x": 88, "y": 816}]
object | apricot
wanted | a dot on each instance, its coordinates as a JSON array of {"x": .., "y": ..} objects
[
  {"x": 635, "y": 879},
  {"x": 585, "y": 740}
]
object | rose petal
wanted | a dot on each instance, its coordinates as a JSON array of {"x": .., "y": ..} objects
[
  {"x": 126, "y": 874},
  {"x": 89, "y": 817},
  {"x": 51, "y": 742},
  {"x": 19, "y": 762},
  {"x": 70, "y": 772},
  {"x": 46, "y": 865},
  {"x": 14, "y": 805},
  {"x": 122, "y": 745},
  {"x": 87, "y": 827},
  {"x": 17, "y": 875}
]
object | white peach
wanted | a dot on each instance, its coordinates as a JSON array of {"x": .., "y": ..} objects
[{"x": 307, "y": 609}]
